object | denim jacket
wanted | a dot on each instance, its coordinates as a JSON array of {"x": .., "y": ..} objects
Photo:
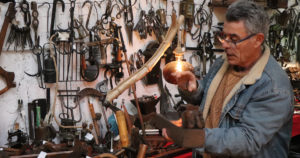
[{"x": 256, "y": 119}]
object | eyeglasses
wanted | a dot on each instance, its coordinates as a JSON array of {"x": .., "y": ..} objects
[{"x": 232, "y": 38}]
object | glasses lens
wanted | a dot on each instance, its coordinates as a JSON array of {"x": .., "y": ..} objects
[{"x": 222, "y": 35}]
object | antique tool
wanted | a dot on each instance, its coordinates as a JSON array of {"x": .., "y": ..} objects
[
  {"x": 82, "y": 32},
  {"x": 140, "y": 26},
  {"x": 187, "y": 9},
  {"x": 48, "y": 64},
  {"x": 38, "y": 51},
  {"x": 9, "y": 16},
  {"x": 9, "y": 79},
  {"x": 153, "y": 24},
  {"x": 35, "y": 23},
  {"x": 166, "y": 107},
  {"x": 89, "y": 14},
  {"x": 161, "y": 14},
  {"x": 102, "y": 42},
  {"x": 53, "y": 14},
  {"x": 17, "y": 139},
  {"x": 94, "y": 118},
  {"x": 95, "y": 93},
  {"x": 20, "y": 37},
  {"x": 108, "y": 11},
  {"x": 25, "y": 9},
  {"x": 89, "y": 72},
  {"x": 133, "y": 86},
  {"x": 126, "y": 83},
  {"x": 147, "y": 103},
  {"x": 128, "y": 17}
]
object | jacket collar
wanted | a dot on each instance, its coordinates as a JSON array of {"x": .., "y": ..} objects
[{"x": 249, "y": 79}]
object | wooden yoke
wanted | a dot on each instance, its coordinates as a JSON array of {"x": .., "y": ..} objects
[{"x": 9, "y": 78}]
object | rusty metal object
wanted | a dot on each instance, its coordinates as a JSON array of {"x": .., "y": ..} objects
[
  {"x": 89, "y": 92},
  {"x": 9, "y": 78},
  {"x": 95, "y": 93},
  {"x": 142, "y": 150},
  {"x": 102, "y": 42},
  {"x": 10, "y": 15},
  {"x": 147, "y": 104}
]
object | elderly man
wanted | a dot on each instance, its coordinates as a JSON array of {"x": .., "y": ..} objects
[{"x": 246, "y": 98}]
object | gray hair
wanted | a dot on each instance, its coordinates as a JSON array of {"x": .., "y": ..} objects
[{"x": 255, "y": 18}]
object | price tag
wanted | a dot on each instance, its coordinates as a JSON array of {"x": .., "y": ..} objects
[
  {"x": 89, "y": 136},
  {"x": 42, "y": 154}
]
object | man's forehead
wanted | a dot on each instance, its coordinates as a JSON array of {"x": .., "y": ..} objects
[{"x": 234, "y": 27}]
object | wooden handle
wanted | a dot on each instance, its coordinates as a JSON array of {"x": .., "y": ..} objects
[
  {"x": 122, "y": 128},
  {"x": 93, "y": 114},
  {"x": 148, "y": 66}
]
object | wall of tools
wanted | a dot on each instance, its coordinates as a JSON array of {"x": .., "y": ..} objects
[{"x": 89, "y": 47}]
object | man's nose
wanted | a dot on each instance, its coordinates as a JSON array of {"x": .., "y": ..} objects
[{"x": 225, "y": 44}]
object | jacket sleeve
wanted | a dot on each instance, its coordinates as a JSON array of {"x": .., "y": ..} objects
[
  {"x": 263, "y": 117},
  {"x": 193, "y": 97},
  {"x": 196, "y": 96}
]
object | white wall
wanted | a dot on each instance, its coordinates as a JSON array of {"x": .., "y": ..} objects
[{"x": 27, "y": 87}]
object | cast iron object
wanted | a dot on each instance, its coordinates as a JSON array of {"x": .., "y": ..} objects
[{"x": 147, "y": 104}]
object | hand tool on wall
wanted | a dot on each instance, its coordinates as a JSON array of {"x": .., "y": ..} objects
[
  {"x": 9, "y": 16},
  {"x": 38, "y": 51},
  {"x": 54, "y": 13},
  {"x": 89, "y": 14},
  {"x": 128, "y": 18},
  {"x": 20, "y": 37},
  {"x": 9, "y": 79},
  {"x": 35, "y": 23},
  {"x": 94, "y": 118},
  {"x": 133, "y": 86},
  {"x": 25, "y": 9}
]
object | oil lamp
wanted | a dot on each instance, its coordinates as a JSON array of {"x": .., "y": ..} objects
[{"x": 176, "y": 66}]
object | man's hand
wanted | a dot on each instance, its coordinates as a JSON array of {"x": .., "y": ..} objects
[{"x": 186, "y": 80}]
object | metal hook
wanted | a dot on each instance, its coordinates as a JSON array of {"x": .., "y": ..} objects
[
  {"x": 99, "y": 5},
  {"x": 89, "y": 14}
]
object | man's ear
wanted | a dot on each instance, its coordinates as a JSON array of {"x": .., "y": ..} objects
[{"x": 260, "y": 37}]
